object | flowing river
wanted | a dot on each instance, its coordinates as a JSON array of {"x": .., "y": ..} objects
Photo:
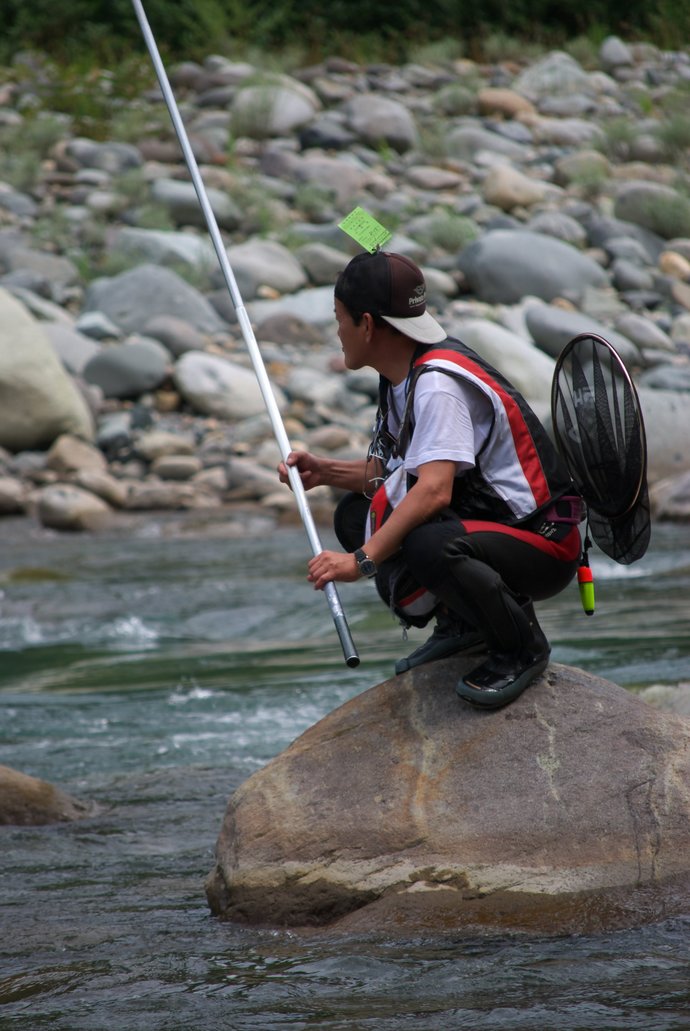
[{"x": 152, "y": 669}]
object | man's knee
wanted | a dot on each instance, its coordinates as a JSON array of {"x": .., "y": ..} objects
[
  {"x": 349, "y": 520},
  {"x": 424, "y": 551}
]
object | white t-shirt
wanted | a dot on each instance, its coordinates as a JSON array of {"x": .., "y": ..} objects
[{"x": 452, "y": 419}]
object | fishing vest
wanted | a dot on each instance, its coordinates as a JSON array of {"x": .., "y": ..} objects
[{"x": 518, "y": 473}]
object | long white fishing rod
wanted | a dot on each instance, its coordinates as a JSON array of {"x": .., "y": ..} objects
[{"x": 349, "y": 650}]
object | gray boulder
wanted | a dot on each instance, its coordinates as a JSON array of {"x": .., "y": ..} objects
[
  {"x": 73, "y": 348},
  {"x": 654, "y": 206},
  {"x": 38, "y": 400},
  {"x": 130, "y": 369},
  {"x": 258, "y": 263},
  {"x": 667, "y": 423},
  {"x": 467, "y": 141},
  {"x": 159, "y": 247},
  {"x": 131, "y": 299},
  {"x": 313, "y": 306},
  {"x": 406, "y": 810},
  {"x": 181, "y": 200},
  {"x": 552, "y": 328},
  {"x": 505, "y": 265},
  {"x": 378, "y": 120},
  {"x": 528, "y": 368},
  {"x": 614, "y": 54},
  {"x": 212, "y": 385},
  {"x": 273, "y": 109},
  {"x": 16, "y": 254},
  {"x": 13, "y": 495},
  {"x": 65, "y": 507},
  {"x": 176, "y": 335},
  {"x": 27, "y": 801},
  {"x": 112, "y": 157},
  {"x": 556, "y": 74}
]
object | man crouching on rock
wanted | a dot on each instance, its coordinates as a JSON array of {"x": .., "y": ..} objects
[{"x": 462, "y": 508}]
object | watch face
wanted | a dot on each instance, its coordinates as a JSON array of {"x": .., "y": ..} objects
[{"x": 367, "y": 566}]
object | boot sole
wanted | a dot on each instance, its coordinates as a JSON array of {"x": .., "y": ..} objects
[{"x": 496, "y": 699}]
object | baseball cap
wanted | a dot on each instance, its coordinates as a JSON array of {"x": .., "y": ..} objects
[{"x": 393, "y": 287}]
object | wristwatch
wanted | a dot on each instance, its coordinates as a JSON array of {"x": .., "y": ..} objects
[{"x": 367, "y": 566}]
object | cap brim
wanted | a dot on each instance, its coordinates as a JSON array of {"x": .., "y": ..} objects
[{"x": 423, "y": 328}]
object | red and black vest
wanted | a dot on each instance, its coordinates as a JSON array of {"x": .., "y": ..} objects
[{"x": 518, "y": 471}]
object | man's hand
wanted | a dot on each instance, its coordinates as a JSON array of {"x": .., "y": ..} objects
[
  {"x": 308, "y": 466},
  {"x": 332, "y": 565}
]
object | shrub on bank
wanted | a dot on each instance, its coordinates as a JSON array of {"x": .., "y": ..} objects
[{"x": 108, "y": 28}]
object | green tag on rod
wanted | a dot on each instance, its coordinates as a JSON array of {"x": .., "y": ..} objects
[{"x": 363, "y": 228}]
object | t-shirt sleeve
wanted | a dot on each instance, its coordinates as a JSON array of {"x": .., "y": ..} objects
[{"x": 444, "y": 427}]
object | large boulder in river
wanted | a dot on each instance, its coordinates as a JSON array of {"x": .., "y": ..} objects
[
  {"x": 408, "y": 809},
  {"x": 28, "y": 801},
  {"x": 38, "y": 399}
]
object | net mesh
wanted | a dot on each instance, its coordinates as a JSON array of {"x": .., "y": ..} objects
[{"x": 600, "y": 433}]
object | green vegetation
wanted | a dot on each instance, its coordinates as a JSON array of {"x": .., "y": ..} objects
[
  {"x": 666, "y": 215},
  {"x": 108, "y": 31},
  {"x": 448, "y": 231},
  {"x": 25, "y": 145},
  {"x": 619, "y": 138}
]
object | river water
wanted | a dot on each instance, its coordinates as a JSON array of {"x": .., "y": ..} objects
[{"x": 153, "y": 668}]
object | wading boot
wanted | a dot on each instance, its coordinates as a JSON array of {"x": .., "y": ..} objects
[
  {"x": 505, "y": 675},
  {"x": 451, "y": 635}
]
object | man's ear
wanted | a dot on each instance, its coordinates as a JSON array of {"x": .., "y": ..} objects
[{"x": 369, "y": 324}]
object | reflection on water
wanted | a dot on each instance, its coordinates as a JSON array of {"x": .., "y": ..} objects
[{"x": 153, "y": 675}]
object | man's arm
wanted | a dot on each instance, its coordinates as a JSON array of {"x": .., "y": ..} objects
[
  {"x": 317, "y": 471},
  {"x": 430, "y": 495}
]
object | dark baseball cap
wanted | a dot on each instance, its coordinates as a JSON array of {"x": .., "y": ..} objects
[{"x": 393, "y": 287}]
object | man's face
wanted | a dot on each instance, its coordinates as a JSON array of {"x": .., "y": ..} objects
[{"x": 353, "y": 338}]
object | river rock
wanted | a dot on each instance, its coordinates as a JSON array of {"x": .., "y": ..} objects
[
  {"x": 132, "y": 298},
  {"x": 378, "y": 120},
  {"x": 528, "y": 368},
  {"x": 64, "y": 507},
  {"x": 70, "y": 455},
  {"x": 273, "y": 109},
  {"x": 12, "y": 495},
  {"x": 180, "y": 198},
  {"x": 130, "y": 369},
  {"x": 176, "y": 467},
  {"x": 27, "y": 801},
  {"x": 615, "y": 54},
  {"x": 508, "y": 188},
  {"x": 212, "y": 385},
  {"x": 176, "y": 335},
  {"x": 163, "y": 247},
  {"x": 38, "y": 400},
  {"x": 555, "y": 74},
  {"x": 155, "y": 444},
  {"x": 73, "y": 348},
  {"x": 16, "y": 254},
  {"x": 321, "y": 262},
  {"x": 504, "y": 265},
  {"x": 112, "y": 157},
  {"x": 551, "y": 328},
  {"x": 654, "y": 206},
  {"x": 670, "y": 498},
  {"x": 406, "y": 810},
  {"x": 153, "y": 494},
  {"x": 265, "y": 263},
  {"x": 469, "y": 141},
  {"x": 667, "y": 424}
]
